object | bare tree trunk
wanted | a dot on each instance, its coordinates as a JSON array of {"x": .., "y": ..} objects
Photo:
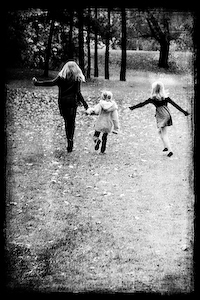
[
  {"x": 123, "y": 46},
  {"x": 107, "y": 47},
  {"x": 137, "y": 45},
  {"x": 162, "y": 36},
  {"x": 88, "y": 45},
  {"x": 71, "y": 24},
  {"x": 81, "y": 40},
  {"x": 48, "y": 49},
  {"x": 68, "y": 48},
  {"x": 164, "y": 54},
  {"x": 96, "y": 70}
]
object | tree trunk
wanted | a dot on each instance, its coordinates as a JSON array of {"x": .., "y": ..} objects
[
  {"x": 81, "y": 40},
  {"x": 71, "y": 24},
  {"x": 88, "y": 45},
  {"x": 137, "y": 45},
  {"x": 107, "y": 47},
  {"x": 164, "y": 54},
  {"x": 96, "y": 71},
  {"x": 162, "y": 36},
  {"x": 48, "y": 49},
  {"x": 123, "y": 46}
]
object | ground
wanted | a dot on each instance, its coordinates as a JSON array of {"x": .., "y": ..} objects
[{"x": 81, "y": 221}]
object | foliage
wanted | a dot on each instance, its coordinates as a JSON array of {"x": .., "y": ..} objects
[
  {"x": 27, "y": 33},
  {"x": 15, "y": 38}
]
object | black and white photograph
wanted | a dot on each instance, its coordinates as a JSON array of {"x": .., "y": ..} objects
[{"x": 99, "y": 143}]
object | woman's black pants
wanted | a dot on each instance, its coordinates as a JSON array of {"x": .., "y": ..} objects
[{"x": 69, "y": 116}]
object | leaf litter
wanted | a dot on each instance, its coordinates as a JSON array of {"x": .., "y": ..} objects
[{"x": 131, "y": 182}]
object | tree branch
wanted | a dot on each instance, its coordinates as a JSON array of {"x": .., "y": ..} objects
[
  {"x": 155, "y": 25},
  {"x": 153, "y": 31}
]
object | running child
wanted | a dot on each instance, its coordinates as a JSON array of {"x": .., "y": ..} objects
[
  {"x": 108, "y": 120},
  {"x": 163, "y": 116}
]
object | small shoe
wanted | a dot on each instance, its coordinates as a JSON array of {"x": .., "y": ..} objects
[
  {"x": 170, "y": 154},
  {"x": 97, "y": 143},
  {"x": 115, "y": 132},
  {"x": 165, "y": 149}
]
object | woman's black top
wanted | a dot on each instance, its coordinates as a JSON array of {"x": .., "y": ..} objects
[{"x": 69, "y": 94}]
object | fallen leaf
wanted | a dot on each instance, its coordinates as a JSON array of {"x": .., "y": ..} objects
[{"x": 66, "y": 176}]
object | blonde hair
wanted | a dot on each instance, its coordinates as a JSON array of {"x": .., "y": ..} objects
[
  {"x": 72, "y": 71},
  {"x": 106, "y": 95},
  {"x": 158, "y": 90}
]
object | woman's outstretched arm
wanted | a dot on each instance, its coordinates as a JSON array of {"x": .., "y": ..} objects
[
  {"x": 177, "y": 106},
  {"x": 46, "y": 82},
  {"x": 94, "y": 110}
]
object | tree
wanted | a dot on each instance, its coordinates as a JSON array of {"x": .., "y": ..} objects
[
  {"x": 123, "y": 45},
  {"x": 158, "y": 28},
  {"x": 71, "y": 23},
  {"x": 48, "y": 47},
  {"x": 96, "y": 70},
  {"x": 22, "y": 35},
  {"x": 88, "y": 43},
  {"x": 105, "y": 27},
  {"x": 166, "y": 26},
  {"x": 81, "y": 39},
  {"x": 32, "y": 42},
  {"x": 162, "y": 35},
  {"x": 107, "y": 42}
]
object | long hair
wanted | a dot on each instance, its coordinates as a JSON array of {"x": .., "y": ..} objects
[
  {"x": 72, "y": 71},
  {"x": 158, "y": 90}
]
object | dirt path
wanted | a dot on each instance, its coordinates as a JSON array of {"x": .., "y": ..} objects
[{"x": 120, "y": 222}]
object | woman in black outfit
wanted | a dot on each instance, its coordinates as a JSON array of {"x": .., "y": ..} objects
[{"x": 68, "y": 81}]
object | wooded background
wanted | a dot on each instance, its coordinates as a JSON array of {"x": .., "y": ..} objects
[{"x": 47, "y": 38}]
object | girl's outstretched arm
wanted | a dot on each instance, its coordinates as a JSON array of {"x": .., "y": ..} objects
[
  {"x": 140, "y": 104},
  {"x": 186, "y": 113},
  {"x": 46, "y": 82}
]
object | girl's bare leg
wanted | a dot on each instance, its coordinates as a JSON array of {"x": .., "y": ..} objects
[
  {"x": 166, "y": 141},
  {"x": 166, "y": 138},
  {"x": 160, "y": 132}
]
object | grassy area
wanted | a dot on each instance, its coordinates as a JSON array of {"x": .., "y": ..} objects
[
  {"x": 147, "y": 60},
  {"x": 179, "y": 62}
]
